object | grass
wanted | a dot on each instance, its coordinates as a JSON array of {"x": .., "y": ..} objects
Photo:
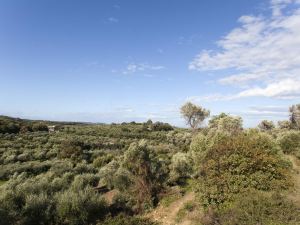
[
  {"x": 187, "y": 208},
  {"x": 169, "y": 199}
]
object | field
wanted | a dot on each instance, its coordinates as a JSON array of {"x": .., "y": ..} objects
[{"x": 148, "y": 173}]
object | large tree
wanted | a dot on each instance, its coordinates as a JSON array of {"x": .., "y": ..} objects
[{"x": 193, "y": 114}]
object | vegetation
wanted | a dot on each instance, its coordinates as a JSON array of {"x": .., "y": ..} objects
[
  {"x": 193, "y": 114},
  {"x": 117, "y": 174}
]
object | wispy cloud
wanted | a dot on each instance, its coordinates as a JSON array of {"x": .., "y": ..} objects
[
  {"x": 112, "y": 20},
  {"x": 140, "y": 67},
  {"x": 116, "y": 6},
  {"x": 267, "y": 111},
  {"x": 262, "y": 51}
]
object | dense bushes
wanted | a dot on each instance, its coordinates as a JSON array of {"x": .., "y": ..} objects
[
  {"x": 63, "y": 177},
  {"x": 289, "y": 142},
  {"x": 180, "y": 168},
  {"x": 141, "y": 174},
  {"x": 256, "y": 208},
  {"x": 47, "y": 199},
  {"x": 232, "y": 164},
  {"x": 80, "y": 207}
]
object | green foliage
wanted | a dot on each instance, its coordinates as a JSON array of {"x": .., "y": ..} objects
[
  {"x": 71, "y": 149},
  {"x": 101, "y": 161},
  {"x": 284, "y": 125},
  {"x": 266, "y": 125},
  {"x": 62, "y": 177},
  {"x": 193, "y": 114},
  {"x": 180, "y": 168},
  {"x": 259, "y": 208},
  {"x": 159, "y": 126},
  {"x": 107, "y": 174},
  {"x": 146, "y": 174},
  {"x": 39, "y": 127},
  {"x": 233, "y": 164},
  {"x": 295, "y": 116},
  {"x": 289, "y": 142},
  {"x": 80, "y": 207},
  {"x": 37, "y": 209},
  {"x": 126, "y": 220},
  {"x": 226, "y": 123},
  {"x": 8, "y": 125}
]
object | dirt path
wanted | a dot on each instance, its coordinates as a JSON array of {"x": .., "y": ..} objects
[
  {"x": 167, "y": 215},
  {"x": 295, "y": 195}
]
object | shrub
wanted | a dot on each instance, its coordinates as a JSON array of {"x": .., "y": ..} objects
[
  {"x": 38, "y": 209},
  {"x": 101, "y": 161},
  {"x": 180, "y": 168},
  {"x": 234, "y": 164},
  {"x": 159, "y": 126},
  {"x": 39, "y": 127},
  {"x": 107, "y": 174},
  {"x": 266, "y": 125},
  {"x": 80, "y": 207},
  {"x": 289, "y": 142},
  {"x": 146, "y": 174},
  {"x": 127, "y": 220},
  {"x": 84, "y": 180},
  {"x": 71, "y": 149},
  {"x": 260, "y": 208}
]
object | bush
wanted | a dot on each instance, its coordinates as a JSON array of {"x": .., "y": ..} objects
[
  {"x": 39, "y": 127},
  {"x": 260, "y": 208},
  {"x": 38, "y": 209},
  {"x": 233, "y": 164},
  {"x": 159, "y": 126},
  {"x": 266, "y": 125},
  {"x": 146, "y": 174},
  {"x": 71, "y": 149},
  {"x": 80, "y": 207},
  {"x": 226, "y": 123},
  {"x": 127, "y": 220},
  {"x": 101, "y": 161},
  {"x": 289, "y": 142},
  {"x": 180, "y": 168}
]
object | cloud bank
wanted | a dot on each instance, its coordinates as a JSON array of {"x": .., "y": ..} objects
[{"x": 263, "y": 52}]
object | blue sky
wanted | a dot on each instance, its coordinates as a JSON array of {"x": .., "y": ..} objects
[{"x": 113, "y": 61}]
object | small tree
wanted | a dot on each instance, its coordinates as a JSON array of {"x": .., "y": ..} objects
[
  {"x": 145, "y": 172},
  {"x": 295, "y": 116},
  {"x": 266, "y": 125},
  {"x": 284, "y": 124},
  {"x": 226, "y": 123},
  {"x": 193, "y": 114}
]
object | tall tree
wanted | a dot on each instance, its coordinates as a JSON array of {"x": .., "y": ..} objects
[{"x": 193, "y": 114}]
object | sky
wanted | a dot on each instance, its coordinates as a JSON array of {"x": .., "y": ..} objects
[{"x": 114, "y": 61}]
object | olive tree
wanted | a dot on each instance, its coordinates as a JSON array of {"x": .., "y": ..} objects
[
  {"x": 266, "y": 125},
  {"x": 295, "y": 116},
  {"x": 193, "y": 114},
  {"x": 146, "y": 174},
  {"x": 226, "y": 123}
]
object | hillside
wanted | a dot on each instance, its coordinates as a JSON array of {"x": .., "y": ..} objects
[{"x": 147, "y": 173}]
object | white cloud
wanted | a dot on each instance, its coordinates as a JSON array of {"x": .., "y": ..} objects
[
  {"x": 140, "y": 67},
  {"x": 261, "y": 49},
  {"x": 284, "y": 89}
]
